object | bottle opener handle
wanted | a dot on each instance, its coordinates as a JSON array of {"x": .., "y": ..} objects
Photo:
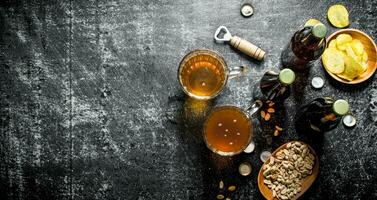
[
  {"x": 241, "y": 44},
  {"x": 247, "y": 48}
]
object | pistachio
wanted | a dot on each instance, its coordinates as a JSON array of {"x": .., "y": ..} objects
[
  {"x": 276, "y": 133},
  {"x": 221, "y": 185},
  {"x": 262, "y": 114},
  {"x": 232, "y": 188},
  {"x": 285, "y": 172},
  {"x": 267, "y": 117}
]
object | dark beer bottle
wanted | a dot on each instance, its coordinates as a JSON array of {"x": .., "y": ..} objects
[
  {"x": 306, "y": 45},
  {"x": 321, "y": 114},
  {"x": 274, "y": 86}
]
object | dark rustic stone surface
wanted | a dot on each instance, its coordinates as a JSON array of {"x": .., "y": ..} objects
[{"x": 91, "y": 107}]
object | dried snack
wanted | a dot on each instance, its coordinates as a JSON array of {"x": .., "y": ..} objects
[
  {"x": 342, "y": 40},
  {"x": 278, "y": 128},
  {"x": 352, "y": 68},
  {"x": 346, "y": 57},
  {"x": 338, "y": 16},
  {"x": 333, "y": 60},
  {"x": 232, "y": 188},
  {"x": 276, "y": 133},
  {"x": 267, "y": 117},
  {"x": 312, "y": 22},
  {"x": 221, "y": 184},
  {"x": 271, "y": 110},
  {"x": 262, "y": 114},
  {"x": 283, "y": 174}
]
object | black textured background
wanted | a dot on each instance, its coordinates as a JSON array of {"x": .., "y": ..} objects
[{"x": 91, "y": 107}]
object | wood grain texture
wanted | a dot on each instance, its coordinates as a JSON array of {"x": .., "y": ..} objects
[{"x": 91, "y": 107}]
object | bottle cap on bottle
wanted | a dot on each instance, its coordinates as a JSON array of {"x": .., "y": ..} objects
[
  {"x": 341, "y": 107},
  {"x": 287, "y": 76},
  {"x": 319, "y": 30}
]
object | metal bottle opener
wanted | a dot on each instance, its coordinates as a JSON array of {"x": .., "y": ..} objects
[{"x": 241, "y": 44}]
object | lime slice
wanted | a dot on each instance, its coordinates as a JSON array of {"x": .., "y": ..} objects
[
  {"x": 338, "y": 16},
  {"x": 333, "y": 61}
]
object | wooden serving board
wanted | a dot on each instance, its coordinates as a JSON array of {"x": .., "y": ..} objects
[{"x": 306, "y": 183}]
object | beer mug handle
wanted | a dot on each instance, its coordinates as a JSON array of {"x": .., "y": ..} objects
[
  {"x": 238, "y": 71},
  {"x": 255, "y": 107}
]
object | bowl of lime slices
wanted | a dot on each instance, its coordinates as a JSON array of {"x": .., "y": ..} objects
[{"x": 350, "y": 56}]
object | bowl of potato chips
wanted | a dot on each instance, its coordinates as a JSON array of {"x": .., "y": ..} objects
[{"x": 350, "y": 56}]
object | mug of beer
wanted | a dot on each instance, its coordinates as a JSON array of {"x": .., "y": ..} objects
[
  {"x": 203, "y": 74},
  {"x": 228, "y": 130}
]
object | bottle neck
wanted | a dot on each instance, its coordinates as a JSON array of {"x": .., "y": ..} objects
[
  {"x": 311, "y": 39},
  {"x": 306, "y": 46}
]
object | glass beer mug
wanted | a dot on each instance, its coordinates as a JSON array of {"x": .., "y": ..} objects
[
  {"x": 203, "y": 74},
  {"x": 228, "y": 130}
]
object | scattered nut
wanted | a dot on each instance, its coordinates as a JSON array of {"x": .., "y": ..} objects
[
  {"x": 271, "y": 110},
  {"x": 276, "y": 133},
  {"x": 221, "y": 185},
  {"x": 232, "y": 188},
  {"x": 220, "y": 196},
  {"x": 262, "y": 114},
  {"x": 267, "y": 117},
  {"x": 278, "y": 128}
]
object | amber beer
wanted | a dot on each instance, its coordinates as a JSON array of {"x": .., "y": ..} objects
[
  {"x": 227, "y": 130},
  {"x": 202, "y": 74}
]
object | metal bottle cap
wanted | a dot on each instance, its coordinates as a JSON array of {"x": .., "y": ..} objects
[
  {"x": 250, "y": 148},
  {"x": 319, "y": 30},
  {"x": 245, "y": 169},
  {"x": 264, "y": 155},
  {"x": 287, "y": 76},
  {"x": 247, "y": 10},
  {"x": 317, "y": 82},
  {"x": 341, "y": 107},
  {"x": 349, "y": 120}
]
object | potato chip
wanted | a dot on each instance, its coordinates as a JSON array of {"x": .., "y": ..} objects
[
  {"x": 338, "y": 16},
  {"x": 364, "y": 57},
  {"x": 352, "y": 68},
  {"x": 357, "y": 47},
  {"x": 344, "y": 77},
  {"x": 364, "y": 65},
  {"x": 332, "y": 44},
  {"x": 350, "y": 52},
  {"x": 333, "y": 60},
  {"x": 345, "y": 57},
  {"x": 312, "y": 22},
  {"x": 342, "y": 40}
]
